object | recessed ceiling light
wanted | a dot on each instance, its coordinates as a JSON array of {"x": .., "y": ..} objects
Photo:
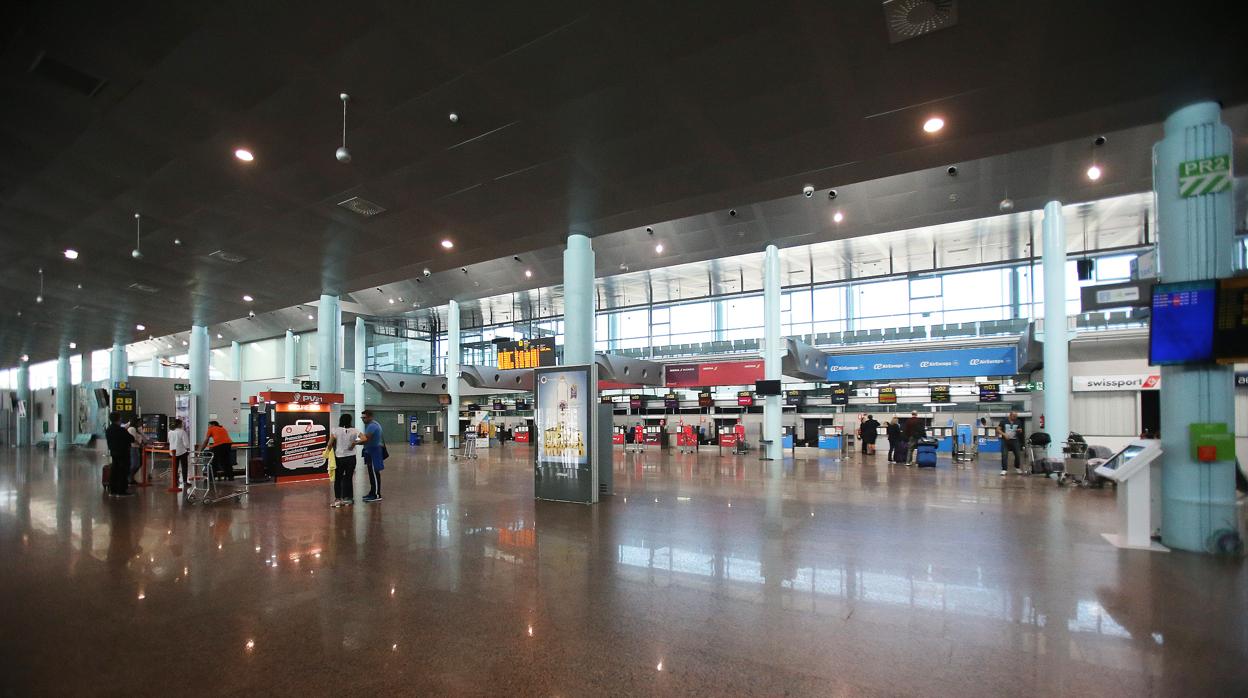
[
  {"x": 933, "y": 124},
  {"x": 184, "y": 342},
  {"x": 447, "y": 244},
  {"x": 311, "y": 318},
  {"x": 73, "y": 345},
  {"x": 658, "y": 249},
  {"x": 25, "y": 357},
  {"x": 140, "y": 328},
  {"x": 248, "y": 298},
  {"x": 244, "y": 155},
  {"x": 1094, "y": 173},
  {"x": 453, "y": 117},
  {"x": 71, "y": 254},
  {"x": 528, "y": 273},
  {"x": 838, "y": 217},
  {"x": 219, "y": 336},
  {"x": 391, "y": 301}
]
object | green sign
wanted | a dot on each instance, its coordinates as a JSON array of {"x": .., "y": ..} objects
[
  {"x": 1205, "y": 176},
  {"x": 309, "y": 385},
  {"x": 181, "y": 387}
]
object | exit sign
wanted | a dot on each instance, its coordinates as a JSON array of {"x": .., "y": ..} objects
[
  {"x": 181, "y": 387},
  {"x": 1205, "y": 176},
  {"x": 309, "y": 385}
]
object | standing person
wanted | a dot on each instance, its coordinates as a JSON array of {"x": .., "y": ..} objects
[
  {"x": 913, "y": 431},
  {"x": 118, "y": 440},
  {"x": 180, "y": 444},
  {"x": 374, "y": 455},
  {"x": 893, "y": 432},
  {"x": 222, "y": 450},
  {"x": 870, "y": 432},
  {"x": 136, "y": 447},
  {"x": 1010, "y": 431},
  {"x": 342, "y": 441}
]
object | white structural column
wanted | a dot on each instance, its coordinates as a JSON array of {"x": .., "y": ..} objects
[
  {"x": 359, "y": 368},
  {"x": 236, "y": 361},
  {"x": 1056, "y": 346},
  {"x": 64, "y": 388},
  {"x": 198, "y": 359},
  {"x": 578, "y": 301},
  {"x": 117, "y": 370},
  {"x": 288, "y": 363},
  {"x": 89, "y": 397},
  {"x": 772, "y": 351},
  {"x": 23, "y": 397},
  {"x": 154, "y": 367},
  {"x": 329, "y": 362},
  {"x": 452, "y": 374}
]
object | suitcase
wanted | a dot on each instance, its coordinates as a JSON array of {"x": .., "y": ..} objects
[
  {"x": 108, "y": 471},
  {"x": 925, "y": 453},
  {"x": 901, "y": 452}
]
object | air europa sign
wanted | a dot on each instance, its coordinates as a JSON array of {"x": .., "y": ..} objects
[
  {"x": 945, "y": 363},
  {"x": 1133, "y": 381}
]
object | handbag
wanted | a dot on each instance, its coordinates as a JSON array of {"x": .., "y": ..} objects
[{"x": 385, "y": 452}]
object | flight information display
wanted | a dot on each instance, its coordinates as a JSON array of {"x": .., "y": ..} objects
[
  {"x": 1230, "y": 340},
  {"x": 527, "y": 353},
  {"x": 1182, "y": 326}
]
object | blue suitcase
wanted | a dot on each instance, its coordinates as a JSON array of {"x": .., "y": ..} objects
[{"x": 925, "y": 453}]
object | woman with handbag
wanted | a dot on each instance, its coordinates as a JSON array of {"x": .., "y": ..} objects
[
  {"x": 374, "y": 455},
  {"x": 341, "y": 455}
]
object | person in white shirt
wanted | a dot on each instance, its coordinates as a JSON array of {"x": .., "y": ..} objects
[
  {"x": 180, "y": 444},
  {"x": 343, "y": 441}
]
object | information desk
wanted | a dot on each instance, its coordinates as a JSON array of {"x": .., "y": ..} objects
[{"x": 1131, "y": 469}]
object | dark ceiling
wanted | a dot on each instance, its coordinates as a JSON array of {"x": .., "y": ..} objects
[{"x": 593, "y": 117}]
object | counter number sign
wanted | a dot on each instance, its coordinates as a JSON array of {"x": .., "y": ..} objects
[{"x": 1205, "y": 176}]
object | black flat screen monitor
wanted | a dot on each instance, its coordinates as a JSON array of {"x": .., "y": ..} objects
[
  {"x": 101, "y": 398},
  {"x": 1181, "y": 329},
  {"x": 767, "y": 388}
]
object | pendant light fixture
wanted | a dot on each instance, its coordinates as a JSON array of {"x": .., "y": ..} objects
[
  {"x": 137, "y": 252},
  {"x": 39, "y": 298},
  {"x": 344, "y": 155}
]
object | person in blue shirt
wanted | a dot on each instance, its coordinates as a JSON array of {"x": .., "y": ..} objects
[{"x": 374, "y": 455}]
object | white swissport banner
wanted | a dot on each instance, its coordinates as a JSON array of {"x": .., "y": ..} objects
[{"x": 1131, "y": 381}]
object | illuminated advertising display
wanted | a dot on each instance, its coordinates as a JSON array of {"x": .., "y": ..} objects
[{"x": 564, "y": 406}]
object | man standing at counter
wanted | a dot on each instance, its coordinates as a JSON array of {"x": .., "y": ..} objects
[{"x": 1010, "y": 431}]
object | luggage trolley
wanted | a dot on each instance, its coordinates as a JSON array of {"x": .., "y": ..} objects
[{"x": 202, "y": 485}]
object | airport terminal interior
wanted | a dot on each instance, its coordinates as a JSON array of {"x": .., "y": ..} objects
[{"x": 879, "y": 347}]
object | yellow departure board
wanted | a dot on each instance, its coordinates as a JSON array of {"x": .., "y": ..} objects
[{"x": 527, "y": 353}]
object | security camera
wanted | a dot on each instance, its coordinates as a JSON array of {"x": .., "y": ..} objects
[
  {"x": 831, "y": 193},
  {"x": 649, "y": 230},
  {"x": 733, "y": 213},
  {"x": 251, "y": 313},
  {"x": 426, "y": 272},
  {"x": 808, "y": 190},
  {"x": 953, "y": 170},
  {"x": 1100, "y": 140}
]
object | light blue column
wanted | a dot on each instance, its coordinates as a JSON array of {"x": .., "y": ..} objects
[
  {"x": 199, "y": 361},
  {"x": 359, "y": 368},
  {"x": 329, "y": 362},
  {"x": 772, "y": 342},
  {"x": 88, "y": 390},
  {"x": 64, "y": 391},
  {"x": 118, "y": 371},
  {"x": 288, "y": 363},
  {"x": 23, "y": 395},
  {"x": 1195, "y": 241},
  {"x": 1056, "y": 342},
  {"x": 155, "y": 368},
  {"x": 452, "y": 374},
  {"x": 236, "y": 361},
  {"x": 578, "y": 301}
]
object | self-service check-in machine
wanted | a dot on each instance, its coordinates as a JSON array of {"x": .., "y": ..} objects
[{"x": 1131, "y": 470}]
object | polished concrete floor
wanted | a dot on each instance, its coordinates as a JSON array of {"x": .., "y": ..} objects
[{"x": 704, "y": 575}]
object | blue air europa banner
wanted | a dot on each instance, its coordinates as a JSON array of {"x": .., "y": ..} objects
[{"x": 943, "y": 363}]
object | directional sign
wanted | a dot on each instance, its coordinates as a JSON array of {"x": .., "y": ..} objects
[
  {"x": 1205, "y": 176},
  {"x": 181, "y": 387},
  {"x": 309, "y": 385}
]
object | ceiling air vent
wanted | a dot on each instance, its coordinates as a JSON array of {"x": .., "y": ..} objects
[
  {"x": 908, "y": 19},
  {"x": 144, "y": 288},
  {"x": 230, "y": 257},
  {"x": 65, "y": 75},
  {"x": 364, "y": 207}
]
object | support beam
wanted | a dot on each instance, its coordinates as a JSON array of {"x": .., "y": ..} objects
[
  {"x": 1195, "y": 242},
  {"x": 236, "y": 361},
  {"x": 198, "y": 358},
  {"x": 329, "y": 360},
  {"x": 452, "y": 374},
  {"x": 359, "y": 369},
  {"x": 773, "y": 352},
  {"x": 64, "y": 390},
  {"x": 288, "y": 363},
  {"x": 1056, "y": 342},
  {"x": 118, "y": 369},
  {"x": 578, "y": 301},
  {"x": 23, "y": 396},
  {"x": 92, "y": 414}
]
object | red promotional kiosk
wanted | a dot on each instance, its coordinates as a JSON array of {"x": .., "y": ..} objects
[{"x": 299, "y": 426}]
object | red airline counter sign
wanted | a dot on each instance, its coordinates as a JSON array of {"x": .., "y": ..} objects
[{"x": 715, "y": 373}]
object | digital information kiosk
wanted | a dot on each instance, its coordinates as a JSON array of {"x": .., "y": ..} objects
[{"x": 1131, "y": 469}]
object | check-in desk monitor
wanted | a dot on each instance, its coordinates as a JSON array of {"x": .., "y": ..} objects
[{"x": 1129, "y": 461}]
